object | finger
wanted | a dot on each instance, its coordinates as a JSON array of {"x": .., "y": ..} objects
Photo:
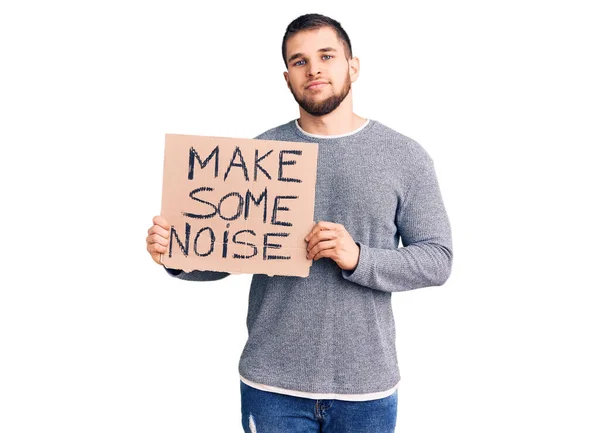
[
  {"x": 157, "y": 239},
  {"x": 156, "y": 257},
  {"x": 323, "y": 235},
  {"x": 310, "y": 233},
  {"x": 328, "y": 252},
  {"x": 161, "y": 221},
  {"x": 321, "y": 225},
  {"x": 158, "y": 230},
  {"x": 324, "y": 245},
  {"x": 157, "y": 249},
  {"x": 152, "y": 246},
  {"x": 316, "y": 228}
]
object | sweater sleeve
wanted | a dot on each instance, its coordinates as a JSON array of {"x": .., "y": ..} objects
[
  {"x": 196, "y": 275},
  {"x": 425, "y": 259}
]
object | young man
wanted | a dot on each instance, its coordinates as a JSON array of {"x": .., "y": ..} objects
[{"x": 321, "y": 353}]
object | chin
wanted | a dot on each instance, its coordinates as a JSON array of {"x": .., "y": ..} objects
[{"x": 320, "y": 95}]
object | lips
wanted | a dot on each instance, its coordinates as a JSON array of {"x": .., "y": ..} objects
[{"x": 315, "y": 83}]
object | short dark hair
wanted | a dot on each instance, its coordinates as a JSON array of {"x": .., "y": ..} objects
[{"x": 314, "y": 22}]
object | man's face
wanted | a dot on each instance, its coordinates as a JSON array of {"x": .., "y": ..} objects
[{"x": 319, "y": 75}]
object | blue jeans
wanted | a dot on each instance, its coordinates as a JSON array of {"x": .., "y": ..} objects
[{"x": 268, "y": 412}]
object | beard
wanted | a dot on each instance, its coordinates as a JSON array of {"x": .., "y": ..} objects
[{"x": 321, "y": 108}]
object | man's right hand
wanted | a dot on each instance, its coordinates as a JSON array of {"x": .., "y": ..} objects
[{"x": 158, "y": 238}]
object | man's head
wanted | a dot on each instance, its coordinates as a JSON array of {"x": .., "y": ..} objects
[{"x": 320, "y": 67}]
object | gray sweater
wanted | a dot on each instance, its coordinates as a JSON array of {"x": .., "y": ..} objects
[{"x": 334, "y": 331}]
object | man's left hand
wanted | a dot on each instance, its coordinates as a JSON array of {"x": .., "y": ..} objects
[{"x": 331, "y": 240}]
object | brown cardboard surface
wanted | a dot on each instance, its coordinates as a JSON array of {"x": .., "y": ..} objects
[{"x": 238, "y": 205}]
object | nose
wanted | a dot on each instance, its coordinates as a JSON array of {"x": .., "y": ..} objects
[{"x": 313, "y": 70}]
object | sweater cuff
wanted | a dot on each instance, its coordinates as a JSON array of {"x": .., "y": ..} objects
[
  {"x": 173, "y": 272},
  {"x": 360, "y": 274}
]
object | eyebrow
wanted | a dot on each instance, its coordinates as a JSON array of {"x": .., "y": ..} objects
[{"x": 320, "y": 50}]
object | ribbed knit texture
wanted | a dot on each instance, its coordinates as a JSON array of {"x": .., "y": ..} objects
[{"x": 334, "y": 331}]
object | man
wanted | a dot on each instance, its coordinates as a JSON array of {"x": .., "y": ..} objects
[{"x": 321, "y": 353}]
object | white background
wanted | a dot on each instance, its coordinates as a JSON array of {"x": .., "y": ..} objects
[{"x": 95, "y": 337}]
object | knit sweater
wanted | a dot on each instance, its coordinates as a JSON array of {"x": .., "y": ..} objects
[{"x": 333, "y": 332}]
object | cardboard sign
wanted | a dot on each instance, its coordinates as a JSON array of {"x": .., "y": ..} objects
[{"x": 238, "y": 205}]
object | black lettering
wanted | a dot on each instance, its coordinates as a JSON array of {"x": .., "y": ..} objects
[
  {"x": 250, "y": 196},
  {"x": 194, "y": 156},
  {"x": 212, "y": 242},
  {"x": 242, "y": 164},
  {"x": 240, "y": 207},
  {"x": 276, "y": 207},
  {"x": 257, "y": 165},
  {"x": 238, "y": 256},
  {"x": 291, "y": 162},
  {"x": 225, "y": 241},
  {"x": 274, "y": 246},
  {"x": 184, "y": 249},
  {"x": 201, "y": 216}
]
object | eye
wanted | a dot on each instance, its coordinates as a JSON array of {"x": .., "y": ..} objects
[
  {"x": 296, "y": 64},
  {"x": 327, "y": 55}
]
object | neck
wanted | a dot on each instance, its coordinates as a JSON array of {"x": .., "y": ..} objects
[{"x": 342, "y": 120}]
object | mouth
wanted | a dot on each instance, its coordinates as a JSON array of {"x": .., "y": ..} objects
[{"x": 316, "y": 85}]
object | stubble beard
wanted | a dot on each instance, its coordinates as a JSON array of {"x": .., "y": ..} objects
[{"x": 321, "y": 108}]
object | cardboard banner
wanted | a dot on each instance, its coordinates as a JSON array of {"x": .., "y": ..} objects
[{"x": 238, "y": 205}]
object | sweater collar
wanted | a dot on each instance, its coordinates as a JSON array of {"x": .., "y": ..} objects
[{"x": 308, "y": 134}]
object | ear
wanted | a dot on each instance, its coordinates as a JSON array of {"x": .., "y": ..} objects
[
  {"x": 287, "y": 79},
  {"x": 354, "y": 68}
]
